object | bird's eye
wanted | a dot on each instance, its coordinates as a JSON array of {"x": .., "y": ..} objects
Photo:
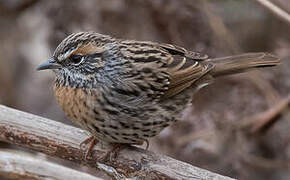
[{"x": 76, "y": 58}]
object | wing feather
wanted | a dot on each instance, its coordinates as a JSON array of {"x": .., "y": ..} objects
[
  {"x": 165, "y": 69},
  {"x": 182, "y": 77}
]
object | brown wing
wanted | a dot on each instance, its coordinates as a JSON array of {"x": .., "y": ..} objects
[
  {"x": 176, "y": 50},
  {"x": 186, "y": 68},
  {"x": 164, "y": 70}
]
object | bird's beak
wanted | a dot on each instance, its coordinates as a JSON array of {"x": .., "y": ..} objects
[{"x": 50, "y": 64}]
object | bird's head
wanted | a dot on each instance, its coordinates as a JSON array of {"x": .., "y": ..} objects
[{"x": 78, "y": 55}]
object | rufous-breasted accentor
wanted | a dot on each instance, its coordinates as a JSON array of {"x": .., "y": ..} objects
[{"x": 126, "y": 91}]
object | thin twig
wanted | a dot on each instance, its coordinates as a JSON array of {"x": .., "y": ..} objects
[
  {"x": 268, "y": 117},
  {"x": 275, "y": 10},
  {"x": 260, "y": 121},
  {"x": 217, "y": 25}
]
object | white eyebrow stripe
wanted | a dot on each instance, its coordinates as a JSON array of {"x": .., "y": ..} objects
[{"x": 65, "y": 55}]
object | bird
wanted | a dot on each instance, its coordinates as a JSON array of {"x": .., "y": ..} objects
[{"x": 128, "y": 91}]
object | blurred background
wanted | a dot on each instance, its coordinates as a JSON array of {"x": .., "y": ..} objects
[{"x": 237, "y": 126}]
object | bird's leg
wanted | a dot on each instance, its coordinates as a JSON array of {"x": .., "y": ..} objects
[
  {"x": 92, "y": 141},
  {"x": 113, "y": 152}
]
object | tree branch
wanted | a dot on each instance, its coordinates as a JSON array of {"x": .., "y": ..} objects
[
  {"x": 60, "y": 140},
  {"x": 19, "y": 165}
]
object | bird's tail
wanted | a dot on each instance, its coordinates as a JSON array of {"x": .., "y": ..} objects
[{"x": 242, "y": 63}]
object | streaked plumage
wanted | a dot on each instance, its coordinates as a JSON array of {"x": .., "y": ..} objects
[{"x": 126, "y": 91}]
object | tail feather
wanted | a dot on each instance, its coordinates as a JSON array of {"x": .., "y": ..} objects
[{"x": 242, "y": 63}]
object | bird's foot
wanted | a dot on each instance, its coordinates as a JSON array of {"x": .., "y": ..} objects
[
  {"x": 142, "y": 142},
  {"x": 147, "y": 144},
  {"x": 110, "y": 154},
  {"x": 113, "y": 152},
  {"x": 91, "y": 142}
]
